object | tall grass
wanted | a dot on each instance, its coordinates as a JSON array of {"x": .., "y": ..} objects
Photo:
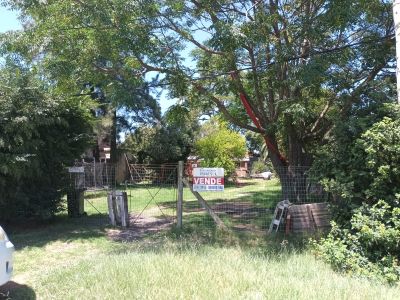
[
  {"x": 78, "y": 259},
  {"x": 212, "y": 274},
  {"x": 74, "y": 259}
]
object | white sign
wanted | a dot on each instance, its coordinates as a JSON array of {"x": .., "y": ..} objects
[
  {"x": 208, "y": 179},
  {"x": 76, "y": 170},
  {"x": 208, "y": 172}
]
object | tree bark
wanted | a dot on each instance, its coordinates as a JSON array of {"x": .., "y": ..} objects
[
  {"x": 113, "y": 137},
  {"x": 396, "y": 17},
  {"x": 293, "y": 175}
]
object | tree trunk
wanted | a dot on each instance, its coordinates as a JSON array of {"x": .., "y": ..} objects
[
  {"x": 113, "y": 137},
  {"x": 294, "y": 184},
  {"x": 292, "y": 175},
  {"x": 396, "y": 18}
]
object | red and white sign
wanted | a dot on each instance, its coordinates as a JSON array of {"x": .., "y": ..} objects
[{"x": 208, "y": 179}]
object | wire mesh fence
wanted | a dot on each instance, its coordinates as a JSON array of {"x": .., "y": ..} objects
[
  {"x": 245, "y": 205},
  {"x": 248, "y": 204},
  {"x": 89, "y": 184},
  {"x": 152, "y": 194}
]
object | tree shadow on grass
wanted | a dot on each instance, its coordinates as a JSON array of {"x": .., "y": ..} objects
[
  {"x": 252, "y": 211},
  {"x": 200, "y": 233},
  {"x": 247, "y": 215},
  {"x": 264, "y": 199},
  {"x": 13, "y": 290},
  {"x": 60, "y": 228}
]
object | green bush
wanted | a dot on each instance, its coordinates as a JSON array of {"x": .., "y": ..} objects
[
  {"x": 258, "y": 167},
  {"x": 370, "y": 248},
  {"x": 41, "y": 134},
  {"x": 220, "y": 146},
  {"x": 367, "y": 240},
  {"x": 364, "y": 169}
]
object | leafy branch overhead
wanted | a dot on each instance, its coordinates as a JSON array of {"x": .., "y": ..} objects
[{"x": 300, "y": 64}]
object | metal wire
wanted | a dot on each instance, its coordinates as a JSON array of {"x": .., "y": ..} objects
[
  {"x": 151, "y": 192},
  {"x": 248, "y": 203}
]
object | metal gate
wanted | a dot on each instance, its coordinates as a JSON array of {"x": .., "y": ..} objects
[{"x": 152, "y": 196}]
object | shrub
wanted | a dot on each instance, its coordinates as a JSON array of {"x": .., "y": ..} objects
[
  {"x": 220, "y": 147},
  {"x": 364, "y": 170},
  {"x": 370, "y": 248},
  {"x": 258, "y": 167},
  {"x": 365, "y": 241},
  {"x": 40, "y": 135}
]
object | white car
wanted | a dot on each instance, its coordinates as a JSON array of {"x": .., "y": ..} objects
[
  {"x": 264, "y": 175},
  {"x": 6, "y": 254}
]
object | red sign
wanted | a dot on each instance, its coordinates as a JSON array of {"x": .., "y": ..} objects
[{"x": 205, "y": 180}]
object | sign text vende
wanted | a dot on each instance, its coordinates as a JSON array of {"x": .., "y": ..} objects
[{"x": 208, "y": 180}]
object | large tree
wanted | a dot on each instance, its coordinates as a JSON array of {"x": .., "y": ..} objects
[
  {"x": 169, "y": 141},
  {"x": 74, "y": 48},
  {"x": 286, "y": 69}
]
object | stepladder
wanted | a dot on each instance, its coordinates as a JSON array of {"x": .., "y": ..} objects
[{"x": 279, "y": 215}]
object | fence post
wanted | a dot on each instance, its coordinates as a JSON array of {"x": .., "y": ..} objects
[
  {"x": 111, "y": 210},
  {"x": 179, "y": 204}
]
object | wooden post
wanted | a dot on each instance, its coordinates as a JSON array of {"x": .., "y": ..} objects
[
  {"x": 179, "y": 204},
  {"x": 205, "y": 205},
  {"x": 118, "y": 208},
  {"x": 111, "y": 212},
  {"x": 122, "y": 202}
]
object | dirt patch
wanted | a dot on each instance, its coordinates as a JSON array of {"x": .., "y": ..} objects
[
  {"x": 145, "y": 225},
  {"x": 141, "y": 227}
]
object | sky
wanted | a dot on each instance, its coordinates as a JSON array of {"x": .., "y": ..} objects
[{"x": 8, "y": 20}]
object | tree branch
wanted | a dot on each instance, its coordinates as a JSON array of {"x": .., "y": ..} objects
[
  {"x": 224, "y": 110},
  {"x": 321, "y": 116},
  {"x": 190, "y": 38},
  {"x": 150, "y": 68}
]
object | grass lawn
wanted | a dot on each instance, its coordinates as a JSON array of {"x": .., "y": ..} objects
[
  {"x": 256, "y": 196},
  {"x": 77, "y": 259}
]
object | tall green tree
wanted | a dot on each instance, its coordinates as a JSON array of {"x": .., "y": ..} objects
[
  {"x": 41, "y": 134},
  {"x": 302, "y": 66},
  {"x": 220, "y": 146},
  {"x": 169, "y": 141},
  {"x": 74, "y": 45}
]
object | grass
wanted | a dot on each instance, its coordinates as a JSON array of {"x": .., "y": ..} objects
[
  {"x": 258, "y": 191},
  {"x": 258, "y": 198},
  {"x": 76, "y": 259}
]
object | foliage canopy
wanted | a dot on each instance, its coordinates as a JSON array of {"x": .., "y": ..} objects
[
  {"x": 41, "y": 133},
  {"x": 220, "y": 147},
  {"x": 302, "y": 65}
]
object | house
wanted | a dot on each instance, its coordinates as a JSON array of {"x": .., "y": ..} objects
[
  {"x": 243, "y": 165},
  {"x": 192, "y": 162}
]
